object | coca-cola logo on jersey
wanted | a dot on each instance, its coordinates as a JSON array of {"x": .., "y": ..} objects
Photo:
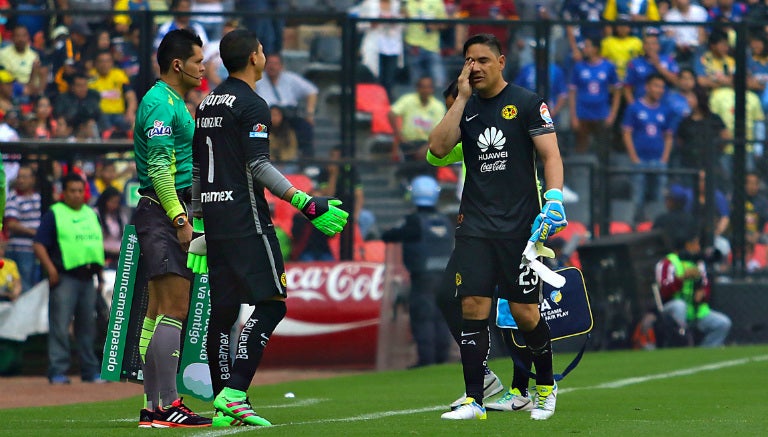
[
  {"x": 493, "y": 166},
  {"x": 337, "y": 281}
]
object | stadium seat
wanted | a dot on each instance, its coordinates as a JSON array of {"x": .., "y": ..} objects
[
  {"x": 615, "y": 227},
  {"x": 618, "y": 227},
  {"x": 372, "y": 98},
  {"x": 375, "y": 251},
  {"x": 574, "y": 229},
  {"x": 324, "y": 57},
  {"x": 644, "y": 226}
]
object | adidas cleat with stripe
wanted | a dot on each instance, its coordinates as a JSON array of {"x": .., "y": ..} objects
[
  {"x": 145, "y": 418},
  {"x": 234, "y": 403},
  {"x": 512, "y": 400},
  {"x": 491, "y": 385},
  {"x": 177, "y": 415},
  {"x": 221, "y": 420},
  {"x": 544, "y": 400},
  {"x": 467, "y": 411}
]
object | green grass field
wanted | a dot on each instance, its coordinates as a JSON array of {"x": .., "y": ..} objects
[{"x": 680, "y": 392}]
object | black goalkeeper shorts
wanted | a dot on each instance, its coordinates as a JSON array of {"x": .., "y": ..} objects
[
  {"x": 482, "y": 264},
  {"x": 245, "y": 270}
]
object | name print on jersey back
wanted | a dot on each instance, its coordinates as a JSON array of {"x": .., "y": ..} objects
[
  {"x": 232, "y": 136},
  {"x": 218, "y": 99}
]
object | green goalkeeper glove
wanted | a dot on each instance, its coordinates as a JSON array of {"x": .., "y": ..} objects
[
  {"x": 322, "y": 212},
  {"x": 197, "y": 257}
]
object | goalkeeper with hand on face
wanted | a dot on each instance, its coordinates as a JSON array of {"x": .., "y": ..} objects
[
  {"x": 503, "y": 130},
  {"x": 239, "y": 246}
]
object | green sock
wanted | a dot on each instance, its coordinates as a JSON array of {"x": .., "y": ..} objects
[{"x": 147, "y": 329}]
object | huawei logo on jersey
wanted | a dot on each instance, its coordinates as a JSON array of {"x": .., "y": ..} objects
[{"x": 491, "y": 137}]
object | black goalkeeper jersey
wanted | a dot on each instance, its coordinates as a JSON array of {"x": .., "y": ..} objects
[
  {"x": 501, "y": 197},
  {"x": 232, "y": 127}
]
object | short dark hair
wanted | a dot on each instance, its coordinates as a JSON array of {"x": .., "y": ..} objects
[
  {"x": 176, "y": 44},
  {"x": 105, "y": 52},
  {"x": 175, "y": 4},
  {"x": 487, "y": 39},
  {"x": 236, "y": 47},
  {"x": 654, "y": 76},
  {"x": 452, "y": 89},
  {"x": 596, "y": 41},
  {"x": 71, "y": 177},
  {"x": 717, "y": 36}
]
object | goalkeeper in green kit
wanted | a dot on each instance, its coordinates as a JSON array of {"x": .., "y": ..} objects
[{"x": 239, "y": 247}]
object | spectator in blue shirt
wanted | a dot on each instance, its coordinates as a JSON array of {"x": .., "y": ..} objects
[
  {"x": 639, "y": 68},
  {"x": 557, "y": 91},
  {"x": 728, "y": 11},
  {"x": 757, "y": 66},
  {"x": 583, "y": 11},
  {"x": 648, "y": 138},
  {"x": 676, "y": 99},
  {"x": 594, "y": 96}
]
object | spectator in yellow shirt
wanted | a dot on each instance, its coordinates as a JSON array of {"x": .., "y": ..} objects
[
  {"x": 715, "y": 67},
  {"x": 643, "y": 10},
  {"x": 413, "y": 116},
  {"x": 723, "y": 103},
  {"x": 10, "y": 280},
  {"x": 22, "y": 61},
  {"x": 118, "y": 100},
  {"x": 622, "y": 46}
]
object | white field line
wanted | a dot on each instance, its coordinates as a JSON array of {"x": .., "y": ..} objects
[
  {"x": 608, "y": 385},
  {"x": 682, "y": 372}
]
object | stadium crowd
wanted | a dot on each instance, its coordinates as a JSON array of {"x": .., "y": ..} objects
[{"x": 624, "y": 76}]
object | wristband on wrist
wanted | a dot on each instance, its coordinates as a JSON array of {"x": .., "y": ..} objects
[
  {"x": 299, "y": 199},
  {"x": 554, "y": 194}
]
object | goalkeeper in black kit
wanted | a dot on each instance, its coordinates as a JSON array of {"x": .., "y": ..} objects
[{"x": 239, "y": 248}]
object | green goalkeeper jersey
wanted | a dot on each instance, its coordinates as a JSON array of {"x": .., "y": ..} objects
[{"x": 162, "y": 142}]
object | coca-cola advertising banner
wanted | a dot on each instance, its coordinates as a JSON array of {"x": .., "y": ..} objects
[{"x": 333, "y": 314}]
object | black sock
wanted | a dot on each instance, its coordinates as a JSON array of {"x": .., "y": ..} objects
[
  {"x": 250, "y": 343},
  {"x": 540, "y": 346},
  {"x": 519, "y": 376},
  {"x": 474, "y": 346},
  {"x": 217, "y": 345}
]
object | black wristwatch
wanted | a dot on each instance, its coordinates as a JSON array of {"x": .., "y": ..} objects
[{"x": 180, "y": 221}]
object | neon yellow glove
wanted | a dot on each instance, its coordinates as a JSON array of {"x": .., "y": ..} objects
[
  {"x": 323, "y": 212},
  {"x": 197, "y": 257}
]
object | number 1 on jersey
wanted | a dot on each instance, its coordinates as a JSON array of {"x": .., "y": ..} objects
[{"x": 210, "y": 159}]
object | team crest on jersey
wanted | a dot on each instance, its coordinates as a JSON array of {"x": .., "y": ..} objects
[
  {"x": 283, "y": 280},
  {"x": 458, "y": 279},
  {"x": 259, "y": 131},
  {"x": 544, "y": 111},
  {"x": 159, "y": 130},
  {"x": 509, "y": 112}
]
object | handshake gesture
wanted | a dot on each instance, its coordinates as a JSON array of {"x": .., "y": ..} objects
[
  {"x": 551, "y": 219},
  {"x": 323, "y": 212}
]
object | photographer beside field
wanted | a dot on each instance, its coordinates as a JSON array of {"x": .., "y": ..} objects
[{"x": 685, "y": 291}]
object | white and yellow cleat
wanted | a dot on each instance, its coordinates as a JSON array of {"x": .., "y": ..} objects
[
  {"x": 544, "y": 401},
  {"x": 491, "y": 385},
  {"x": 467, "y": 411}
]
